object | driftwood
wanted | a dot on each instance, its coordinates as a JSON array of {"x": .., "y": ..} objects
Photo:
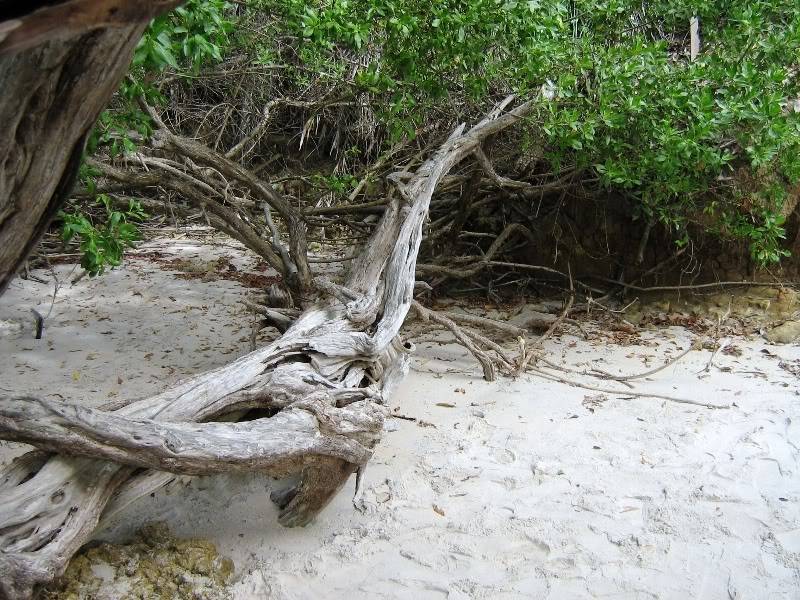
[
  {"x": 327, "y": 381},
  {"x": 274, "y": 445}
]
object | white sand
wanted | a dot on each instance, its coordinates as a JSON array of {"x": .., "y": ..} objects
[{"x": 519, "y": 491}]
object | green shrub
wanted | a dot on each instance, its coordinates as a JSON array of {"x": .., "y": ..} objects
[
  {"x": 631, "y": 108},
  {"x": 102, "y": 241}
]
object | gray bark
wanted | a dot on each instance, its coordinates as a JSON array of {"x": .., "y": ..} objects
[{"x": 344, "y": 352}]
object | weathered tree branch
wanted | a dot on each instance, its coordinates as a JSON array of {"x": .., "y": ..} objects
[
  {"x": 237, "y": 227},
  {"x": 276, "y": 446},
  {"x": 55, "y": 92},
  {"x": 298, "y": 248},
  {"x": 486, "y": 362},
  {"x": 345, "y": 346},
  {"x": 40, "y": 21}
]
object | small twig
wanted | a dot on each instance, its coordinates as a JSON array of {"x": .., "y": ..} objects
[
  {"x": 717, "y": 344},
  {"x": 39, "y": 320},
  {"x": 593, "y": 388},
  {"x": 564, "y": 312},
  {"x": 159, "y": 123},
  {"x": 482, "y": 263},
  {"x": 623, "y": 379},
  {"x": 403, "y": 417},
  {"x": 695, "y": 346},
  {"x": 347, "y": 208},
  {"x": 597, "y": 373},
  {"x": 618, "y": 311},
  {"x": 30, "y": 276},
  {"x": 331, "y": 260},
  {"x": 255, "y": 327},
  {"x": 700, "y": 286},
  {"x": 56, "y": 287}
]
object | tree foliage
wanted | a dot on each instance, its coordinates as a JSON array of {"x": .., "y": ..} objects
[
  {"x": 630, "y": 105},
  {"x": 103, "y": 243},
  {"x": 712, "y": 142}
]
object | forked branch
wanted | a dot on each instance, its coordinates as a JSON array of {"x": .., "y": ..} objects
[{"x": 344, "y": 352}]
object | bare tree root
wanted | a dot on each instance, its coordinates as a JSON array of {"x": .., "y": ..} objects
[
  {"x": 531, "y": 356},
  {"x": 625, "y": 378},
  {"x": 487, "y": 363},
  {"x": 486, "y": 323},
  {"x": 526, "y": 354},
  {"x": 485, "y": 261}
]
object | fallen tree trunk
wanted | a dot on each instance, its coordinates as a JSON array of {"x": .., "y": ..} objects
[{"x": 332, "y": 371}]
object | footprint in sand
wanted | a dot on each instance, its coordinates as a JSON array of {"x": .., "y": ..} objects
[{"x": 503, "y": 455}]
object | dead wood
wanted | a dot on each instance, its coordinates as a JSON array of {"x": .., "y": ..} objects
[
  {"x": 274, "y": 446},
  {"x": 464, "y": 204},
  {"x": 626, "y": 393},
  {"x": 345, "y": 348},
  {"x": 205, "y": 177},
  {"x": 229, "y": 220},
  {"x": 500, "y": 326},
  {"x": 478, "y": 264},
  {"x": 486, "y": 362},
  {"x": 41, "y": 21}
]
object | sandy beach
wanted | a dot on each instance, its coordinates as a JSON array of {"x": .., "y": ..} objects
[{"x": 520, "y": 488}]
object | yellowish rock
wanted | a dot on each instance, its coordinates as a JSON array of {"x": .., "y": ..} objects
[{"x": 785, "y": 333}]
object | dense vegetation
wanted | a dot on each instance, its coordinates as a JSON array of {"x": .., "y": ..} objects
[{"x": 335, "y": 94}]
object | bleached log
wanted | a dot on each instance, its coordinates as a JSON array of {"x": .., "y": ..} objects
[
  {"x": 346, "y": 346},
  {"x": 277, "y": 446}
]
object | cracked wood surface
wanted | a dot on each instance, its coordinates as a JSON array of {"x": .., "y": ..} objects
[
  {"x": 345, "y": 348},
  {"x": 276, "y": 446}
]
